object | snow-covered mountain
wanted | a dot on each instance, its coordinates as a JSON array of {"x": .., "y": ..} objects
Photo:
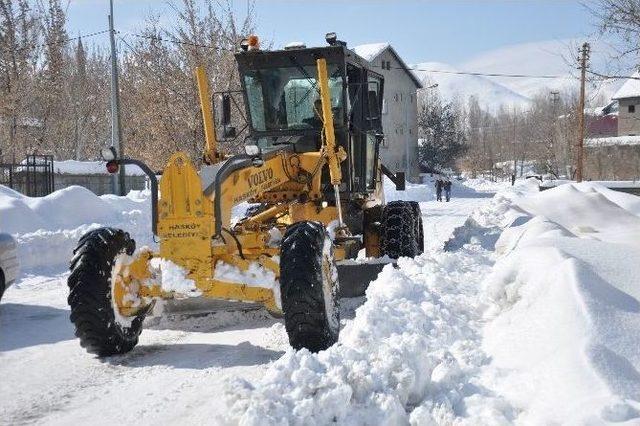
[
  {"x": 551, "y": 57},
  {"x": 490, "y": 95}
]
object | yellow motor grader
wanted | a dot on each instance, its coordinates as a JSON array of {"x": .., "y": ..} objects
[{"x": 311, "y": 169}]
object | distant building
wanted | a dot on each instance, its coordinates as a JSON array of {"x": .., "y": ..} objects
[
  {"x": 399, "y": 110},
  {"x": 628, "y": 98},
  {"x": 615, "y": 155},
  {"x": 603, "y": 121}
]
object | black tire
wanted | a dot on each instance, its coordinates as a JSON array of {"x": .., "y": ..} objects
[
  {"x": 309, "y": 287},
  {"x": 398, "y": 231},
  {"x": 3, "y": 284},
  {"x": 92, "y": 312},
  {"x": 417, "y": 217}
]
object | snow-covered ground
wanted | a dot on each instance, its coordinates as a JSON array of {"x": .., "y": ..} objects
[{"x": 524, "y": 309}]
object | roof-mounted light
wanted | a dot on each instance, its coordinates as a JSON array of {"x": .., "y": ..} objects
[
  {"x": 332, "y": 40},
  {"x": 253, "y": 43}
]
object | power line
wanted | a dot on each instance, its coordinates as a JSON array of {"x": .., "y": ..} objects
[
  {"x": 612, "y": 77},
  {"x": 186, "y": 43},
  {"x": 479, "y": 74},
  {"x": 66, "y": 40},
  {"x": 156, "y": 38}
]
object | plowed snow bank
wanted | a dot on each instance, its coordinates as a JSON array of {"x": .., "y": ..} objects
[
  {"x": 549, "y": 334},
  {"x": 48, "y": 228}
]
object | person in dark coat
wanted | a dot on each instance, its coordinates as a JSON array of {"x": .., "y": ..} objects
[
  {"x": 439, "y": 189},
  {"x": 447, "y": 189}
]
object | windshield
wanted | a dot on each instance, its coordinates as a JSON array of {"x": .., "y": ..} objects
[{"x": 288, "y": 98}]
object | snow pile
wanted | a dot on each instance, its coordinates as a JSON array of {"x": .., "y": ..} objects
[
  {"x": 546, "y": 335},
  {"x": 414, "y": 343},
  {"x": 47, "y": 229},
  {"x": 484, "y": 185},
  {"x": 565, "y": 309}
]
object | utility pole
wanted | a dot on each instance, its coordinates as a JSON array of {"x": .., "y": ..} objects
[
  {"x": 584, "y": 58},
  {"x": 118, "y": 184},
  {"x": 515, "y": 154},
  {"x": 555, "y": 97}
]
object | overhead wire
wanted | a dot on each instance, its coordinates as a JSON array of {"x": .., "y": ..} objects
[
  {"x": 453, "y": 72},
  {"x": 479, "y": 74},
  {"x": 66, "y": 40},
  {"x": 186, "y": 43}
]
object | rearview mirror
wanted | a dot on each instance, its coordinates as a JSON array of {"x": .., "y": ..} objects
[
  {"x": 373, "y": 114},
  {"x": 400, "y": 181},
  {"x": 225, "y": 109}
]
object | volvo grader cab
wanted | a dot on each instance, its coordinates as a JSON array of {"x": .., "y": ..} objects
[{"x": 318, "y": 227}]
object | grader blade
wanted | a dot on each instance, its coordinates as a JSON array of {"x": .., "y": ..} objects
[
  {"x": 355, "y": 277},
  {"x": 201, "y": 306}
]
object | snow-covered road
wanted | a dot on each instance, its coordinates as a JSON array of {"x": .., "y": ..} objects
[
  {"x": 529, "y": 314},
  {"x": 177, "y": 371}
]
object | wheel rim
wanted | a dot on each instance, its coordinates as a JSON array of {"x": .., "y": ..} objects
[{"x": 329, "y": 285}]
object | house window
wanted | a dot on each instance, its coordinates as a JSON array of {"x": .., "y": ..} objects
[
  {"x": 632, "y": 109},
  {"x": 388, "y": 65},
  {"x": 396, "y": 97},
  {"x": 383, "y": 62}
]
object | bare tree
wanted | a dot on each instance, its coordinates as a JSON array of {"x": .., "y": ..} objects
[{"x": 620, "y": 18}]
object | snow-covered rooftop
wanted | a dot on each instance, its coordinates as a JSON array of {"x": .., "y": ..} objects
[
  {"x": 611, "y": 141},
  {"x": 630, "y": 89},
  {"x": 370, "y": 51}
]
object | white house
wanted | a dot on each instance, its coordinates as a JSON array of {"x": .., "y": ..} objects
[
  {"x": 628, "y": 98},
  {"x": 400, "y": 108}
]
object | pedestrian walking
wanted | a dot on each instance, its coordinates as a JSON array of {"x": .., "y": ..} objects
[
  {"x": 439, "y": 189},
  {"x": 447, "y": 189}
]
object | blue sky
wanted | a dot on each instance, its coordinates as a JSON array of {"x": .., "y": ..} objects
[{"x": 445, "y": 31}]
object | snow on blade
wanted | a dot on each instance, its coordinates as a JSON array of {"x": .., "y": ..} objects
[
  {"x": 174, "y": 278},
  {"x": 255, "y": 275}
]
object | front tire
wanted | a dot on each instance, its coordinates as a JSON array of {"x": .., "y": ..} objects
[
  {"x": 90, "y": 296},
  {"x": 309, "y": 287}
]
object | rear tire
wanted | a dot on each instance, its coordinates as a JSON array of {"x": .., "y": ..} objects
[
  {"x": 399, "y": 235},
  {"x": 90, "y": 295},
  {"x": 417, "y": 217},
  {"x": 3, "y": 284},
  {"x": 309, "y": 287}
]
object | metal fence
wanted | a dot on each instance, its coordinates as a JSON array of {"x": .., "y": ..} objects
[{"x": 32, "y": 177}]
